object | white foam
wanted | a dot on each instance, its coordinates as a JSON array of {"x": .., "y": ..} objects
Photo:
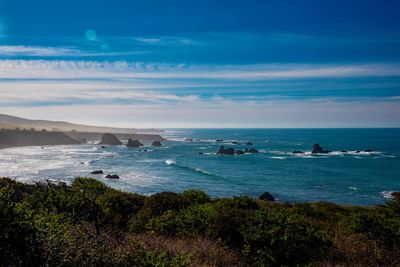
[
  {"x": 170, "y": 162},
  {"x": 387, "y": 194},
  {"x": 278, "y": 157}
]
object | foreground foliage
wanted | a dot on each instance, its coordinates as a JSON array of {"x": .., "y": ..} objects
[{"x": 90, "y": 224}]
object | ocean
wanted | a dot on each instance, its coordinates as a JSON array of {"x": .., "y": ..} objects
[{"x": 364, "y": 178}]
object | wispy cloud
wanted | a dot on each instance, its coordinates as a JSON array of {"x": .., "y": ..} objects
[
  {"x": 20, "y": 50},
  {"x": 14, "y": 69}
]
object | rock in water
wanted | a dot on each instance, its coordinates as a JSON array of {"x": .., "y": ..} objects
[
  {"x": 297, "y": 152},
  {"x": 249, "y": 144},
  {"x": 239, "y": 152},
  {"x": 97, "y": 172},
  {"x": 226, "y": 151},
  {"x": 156, "y": 143},
  {"x": 266, "y": 197},
  {"x": 112, "y": 176},
  {"x": 317, "y": 149},
  {"x": 134, "y": 143},
  {"x": 251, "y": 150},
  {"x": 109, "y": 139}
]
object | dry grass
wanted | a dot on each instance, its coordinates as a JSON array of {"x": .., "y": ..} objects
[
  {"x": 356, "y": 250},
  {"x": 203, "y": 251}
]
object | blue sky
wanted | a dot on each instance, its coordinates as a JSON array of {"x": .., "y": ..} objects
[{"x": 202, "y": 63}]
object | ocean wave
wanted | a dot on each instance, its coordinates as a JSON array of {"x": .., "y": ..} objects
[
  {"x": 171, "y": 162},
  {"x": 278, "y": 157}
]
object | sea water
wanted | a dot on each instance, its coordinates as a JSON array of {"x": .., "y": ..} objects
[{"x": 363, "y": 178}]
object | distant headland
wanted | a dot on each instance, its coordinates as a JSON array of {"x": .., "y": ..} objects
[{"x": 15, "y": 132}]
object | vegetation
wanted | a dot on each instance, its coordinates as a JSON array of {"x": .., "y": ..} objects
[{"x": 90, "y": 224}]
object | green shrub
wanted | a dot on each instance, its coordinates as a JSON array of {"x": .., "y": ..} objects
[
  {"x": 18, "y": 235},
  {"x": 281, "y": 238}
]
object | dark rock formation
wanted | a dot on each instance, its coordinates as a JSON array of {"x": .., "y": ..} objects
[
  {"x": 134, "y": 143},
  {"x": 97, "y": 172},
  {"x": 156, "y": 143},
  {"x": 298, "y": 152},
  {"x": 234, "y": 143},
  {"x": 226, "y": 151},
  {"x": 201, "y": 153},
  {"x": 249, "y": 144},
  {"x": 109, "y": 139},
  {"x": 103, "y": 147},
  {"x": 317, "y": 149},
  {"x": 239, "y": 152},
  {"x": 266, "y": 197},
  {"x": 368, "y": 150},
  {"x": 251, "y": 150},
  {"x": 219, "y": 140},
  {"x": 188, "y": 139},
  {"x": 112, "y": 176},
  {"x": 344, "y": 151}
]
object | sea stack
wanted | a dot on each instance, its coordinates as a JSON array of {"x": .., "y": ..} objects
[
  {"x": 109, "y": 139},
  {"x": 226, "y": 151},
  {"x": 317, "y": 149},
  {"x": 134, "y": 143}
]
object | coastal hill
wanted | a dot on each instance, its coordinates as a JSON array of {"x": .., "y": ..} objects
[
  {"x": 15, "y": 138},
  {"x": 15, "y": 132},
  {"x": 12, "y": 122}
]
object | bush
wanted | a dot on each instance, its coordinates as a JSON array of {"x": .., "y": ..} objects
[{"x": 282, "y": 239}]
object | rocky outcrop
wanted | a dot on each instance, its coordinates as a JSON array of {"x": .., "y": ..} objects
[
  {"x": 112, "y": 176},
  {"x": 97, "y": 172},
  {"x": 134, "y": 143},
  {"x": 156, "y": 143},
  {"x": 226, "y": 151},
  {"x": 110, "y": 139},
  {"x": 249, "y": 144},
  {"x": 317, "y": 149},
  {"x": 231, "y": 151},
  {"x": 266, "y": 197}
]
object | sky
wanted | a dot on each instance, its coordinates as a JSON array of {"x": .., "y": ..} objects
[{"x": 208, "y": 63}]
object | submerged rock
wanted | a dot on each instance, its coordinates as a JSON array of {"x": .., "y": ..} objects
[
  {"x": 188, "y": 139},
  {"x": 112, "y": 176},
  {"x": 317, "y": 149},
  {"x": 219, "y": 140},
  {"x": 226, "y": 151},
  {"x": 298, "y": 152},
  {"x": 249, "y": 144},
  {"x": 156, "y": 143},
  {"x": 97, "y": 172},
  {"x": 109, "y": 139},
  {"x": 234, "y": 143},
  {"x": 266, "y": 197},
  {"x": 134, "y": 143},
  {"x": 368, "y": 150}
]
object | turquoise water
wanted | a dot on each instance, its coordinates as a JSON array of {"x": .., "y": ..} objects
[{"x": 346, "y": 178}]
